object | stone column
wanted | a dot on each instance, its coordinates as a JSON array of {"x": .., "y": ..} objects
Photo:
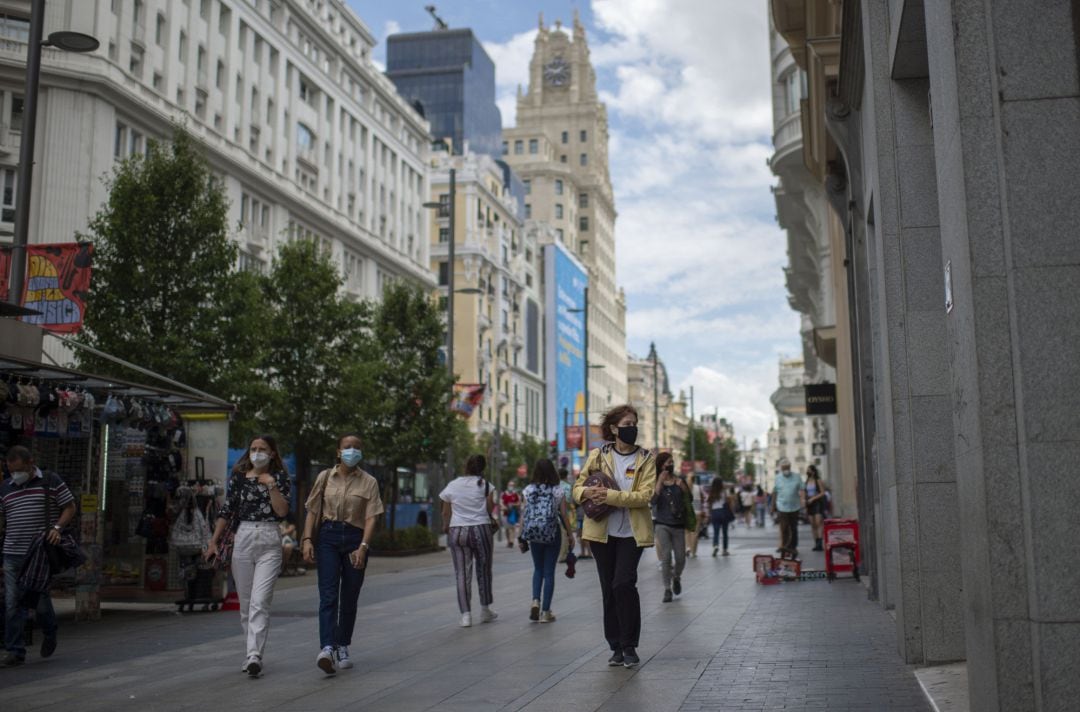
[{"x": 1006, "y": 109}]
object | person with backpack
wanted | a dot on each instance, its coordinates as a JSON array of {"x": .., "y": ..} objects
[
  {"x": 468, "y": 503},
  {"x": 669, "y": 523},
  {"x": 545, "y": 514}
]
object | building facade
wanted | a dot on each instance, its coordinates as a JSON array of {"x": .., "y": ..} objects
[
  {"x": 794, "y": 433},
  {"x": 559, "y": 149},
  {"x": 498, "y": 319},
  {"x": 450, "y": 79},
  {"x": 663, "y": 420},
  {"x": 945, "y": 135},
  {"x": 312, "y": 142}
]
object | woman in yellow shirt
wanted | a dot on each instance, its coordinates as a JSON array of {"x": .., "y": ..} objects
[
  {"x": 341, "y": 514},
  {"x": 618, "y": 538}
]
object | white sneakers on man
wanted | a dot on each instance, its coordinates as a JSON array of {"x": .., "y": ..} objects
[{"x": 325, "y": 661}]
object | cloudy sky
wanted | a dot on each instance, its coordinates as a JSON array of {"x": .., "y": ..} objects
[{"x": 699, "y": 253}]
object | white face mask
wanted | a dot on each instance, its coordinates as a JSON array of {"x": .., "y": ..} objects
[
  {"x": 20, "y": 478},
  {"x": 260, "y": 459}
]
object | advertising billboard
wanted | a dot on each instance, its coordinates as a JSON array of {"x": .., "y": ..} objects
[{"x": 565, "y": 280}]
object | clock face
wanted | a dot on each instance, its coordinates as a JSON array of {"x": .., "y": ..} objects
[{"x": 557, "y": 72}]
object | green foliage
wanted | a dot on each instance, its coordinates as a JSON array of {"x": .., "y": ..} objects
[
  {"x": 525, "y": 451},
  {"x": 164, "y": 293},
  {"x": 750, "y": 469},
  {"x": 412, "y": 538},
  {"x": 722, "y": 460}
]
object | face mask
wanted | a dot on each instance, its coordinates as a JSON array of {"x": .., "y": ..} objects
[
  {"x": 20, "y": 478},
  {"x": 351, "y": 456},
  {"x": 260, "y": 459},
  {"x": 628, "y": 434}
]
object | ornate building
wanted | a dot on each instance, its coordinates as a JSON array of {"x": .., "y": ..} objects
[{"x": 559, "y": 149}]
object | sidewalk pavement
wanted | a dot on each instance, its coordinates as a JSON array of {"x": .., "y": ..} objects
[{"x": 725, "y": 644}]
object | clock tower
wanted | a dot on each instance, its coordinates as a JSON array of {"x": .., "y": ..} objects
[{"x": 559, "y": 147}]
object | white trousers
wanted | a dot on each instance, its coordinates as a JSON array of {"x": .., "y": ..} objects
[{"x": 256, "y": 563}]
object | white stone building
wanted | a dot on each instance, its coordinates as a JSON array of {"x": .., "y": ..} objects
[{"x": 311, "y": 139}]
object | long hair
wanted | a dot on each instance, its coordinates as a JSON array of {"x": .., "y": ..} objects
[
  {"x": 813, "y": 474},
  {"x": 544, "y": 473},
  {"x": 662, "y": 460},
  {"x": 612, "y": 418},
  {"x": 716, "y": 490},
  {"x": 276, "y": 463},
  {"x": 475, "y": 466}
]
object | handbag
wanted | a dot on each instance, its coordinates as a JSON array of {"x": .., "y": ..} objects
[
  {"x": 189, "y": 533},
  {"x": 228, "y": 537},
  {"x": 594, "y": 511}
]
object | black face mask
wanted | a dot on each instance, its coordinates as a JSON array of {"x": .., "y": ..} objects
[{"x": 628, "y": 434}]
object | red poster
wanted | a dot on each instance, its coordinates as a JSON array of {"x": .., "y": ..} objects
[{"x": 57, "y": 282}]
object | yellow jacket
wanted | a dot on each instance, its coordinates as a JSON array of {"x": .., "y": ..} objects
[{"x": 637, "y": 499}]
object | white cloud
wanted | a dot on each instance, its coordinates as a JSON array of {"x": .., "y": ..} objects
[
  {"x": 392, "y": 27},
  {"x": 736, "y": 394},
  {"x": 511, "y": 60}
]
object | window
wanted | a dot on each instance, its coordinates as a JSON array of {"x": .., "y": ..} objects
[
  {"x": 558, "y": 211},
  {"x": 562, "y": 158},
  {"x": 584, "y": 160},
  {"x": 182, "y": 47},
  {"x": 528, "y": 186},
  {"x": 519, "y": 147},
  {"x": 305, "y": 137},
  {"x": 16, "y": 112},
  {"x": 558, "y": 186},
  {"x": 135, "y": 64},
  {"x": 794, "y": 85},
  {"x": 583, "y": 223},
  {"x": 444, "y": 274},
  {"x": 528, "y": 211},
  {"x": 506, "y": 148},
  {"x": 584, "y": 136},
  {"x": 200, "y": 64},
  {"x": 583, "y": 200},
  {"x": 534, "y": 145},
  {"x": 158, "y": 81},
  {"x": 559, "y": 234},
  {"x": 136, "y": 15},
  {"x": 219, "y": 74},
  {"x": 120, "y": 140},
  {"x": 307, "y": 92},
  {"x": 444, "y": 234},
  {"x": 204, "y": 9},
  {"x": 159, "y": 30},
  {"x": 566, "y": 137},
  {"x": 7, "y": 204},
  {"x": 17, "y": 28},
  {"x": 444, "y": 205}
]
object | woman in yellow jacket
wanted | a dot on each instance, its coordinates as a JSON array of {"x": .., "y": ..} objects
[{"x": 617, "y": 539}]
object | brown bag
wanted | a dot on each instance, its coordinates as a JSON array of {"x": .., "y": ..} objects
[{"x": 594, "y": 511}]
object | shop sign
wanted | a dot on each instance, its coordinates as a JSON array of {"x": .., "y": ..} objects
[
  {"x": 820, "y": 398},
  {"x": 89, "y": 503}
]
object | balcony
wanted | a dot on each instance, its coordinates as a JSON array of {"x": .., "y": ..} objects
[
  {"x": 787, "y": 140},
  {"x": 483, "y": 321},
  {"x": 10, "y": 140},
  {"x": 257, "y": 237},
  {"x": 307, "y": 156},
  {"x": 518, "y": 341},
  {"x": 138, "y": 35}
]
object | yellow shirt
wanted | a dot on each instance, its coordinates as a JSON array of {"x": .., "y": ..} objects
[{"x": 346, "y": 497}]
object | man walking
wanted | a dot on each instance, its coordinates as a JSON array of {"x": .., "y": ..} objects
[
  {"x": 27, "y": 499},
  {"x": 789, "y": 497}
]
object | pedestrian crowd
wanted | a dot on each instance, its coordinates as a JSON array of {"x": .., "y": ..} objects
[{"x": 625, "y": 499}]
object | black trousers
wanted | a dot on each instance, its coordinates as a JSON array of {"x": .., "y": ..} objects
[{"x": 617, "y": 565}]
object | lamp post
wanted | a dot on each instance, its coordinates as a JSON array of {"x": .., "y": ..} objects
[
  {"x": 69, "y": 42},
  {"x": 450, "y": 269}
]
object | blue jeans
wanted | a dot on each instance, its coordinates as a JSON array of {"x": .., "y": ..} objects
[
  {"x": 544, "y": 558},
  {"x": 15, "y": 615},
  {"x": 339, "y": 582},
  {"x": 716, "y": 516}
]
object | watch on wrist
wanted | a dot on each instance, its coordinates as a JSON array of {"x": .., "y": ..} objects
[
  {"x": 57, "y": 527},
  {"x": 364, "y": 545}
]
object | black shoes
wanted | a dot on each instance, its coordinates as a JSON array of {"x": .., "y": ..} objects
[
  {"x": 48, "y": 646},
  {"x": 630, "y": 658},
  {"x": 676, "y": 586},
  {"x": 667, "y": 595},
  {"x": 11, "y": 660},
  {"x": 616, "y": 659}
]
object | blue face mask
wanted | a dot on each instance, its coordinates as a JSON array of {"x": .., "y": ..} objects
[{"x": 351, "y": 456}]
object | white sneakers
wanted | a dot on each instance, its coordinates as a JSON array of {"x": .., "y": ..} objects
[
  {"x": 547, "y": 617},
  {"x": 325, "y": 661},
  {"x": 343, "y": 661},
  {"x": 466, "y": 619},
  {"x": 486, "y": 616}
]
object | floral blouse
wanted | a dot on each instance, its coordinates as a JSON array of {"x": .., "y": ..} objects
[{"x": 251, "y": 500}]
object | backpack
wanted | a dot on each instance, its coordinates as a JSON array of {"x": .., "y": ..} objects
[{"x": 540, "y": 523}]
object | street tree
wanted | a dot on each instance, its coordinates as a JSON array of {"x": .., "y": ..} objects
[{"x": 406, "y": 408}]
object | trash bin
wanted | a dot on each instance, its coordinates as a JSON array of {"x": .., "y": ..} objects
[{"x": 842, "y": 553}]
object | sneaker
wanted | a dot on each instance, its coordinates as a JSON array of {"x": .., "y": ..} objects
[
  {"x": 466, "y": 619},
  {"x": 11, "y": 660},
  {"x": 676, "y": 586},
  {"x": 667, "y": 595},
  {"x": 487, "y": 615},
  {"x": 630, "y": 658},
  {"x": 616, "y": 659},
  {"x": 534, "y": 612},
  {"x": 48, "y": 645},
  {"x": 325, "y": 661},
  {"x": 715, "y": 550},
  {"x": 726, "y": 552},
  {"x": 547, "y": 617},
  {"x": 343, "y": 661},
  {"x": 659, "y": 565},
  {"x": 253, "y": 666}
]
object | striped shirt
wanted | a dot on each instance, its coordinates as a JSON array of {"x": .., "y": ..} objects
[{"x": 23, "y": 507}]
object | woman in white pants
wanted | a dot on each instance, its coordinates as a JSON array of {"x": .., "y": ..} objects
[{"x": 258, "y": 498}]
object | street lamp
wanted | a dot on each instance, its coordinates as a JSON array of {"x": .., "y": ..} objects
[{"x": 69, "y": 42}]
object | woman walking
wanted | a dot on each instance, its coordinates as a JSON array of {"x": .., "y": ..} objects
[
  {"x": 669, "y": 523},
  {"x": 342, "y": 508},
  {"x": 720, "y": 514},
  {"x": 616, "y": 485},
  {"x": 545, "y": 514},
  {"x": 816, "y": 504},
  {"x": 760, "y": 504},
  {"x": 467, "y": 505},
  {"x": 257, "y": 500}
]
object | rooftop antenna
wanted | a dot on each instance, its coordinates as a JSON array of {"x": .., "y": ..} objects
[{"x": 440, "y": 24}]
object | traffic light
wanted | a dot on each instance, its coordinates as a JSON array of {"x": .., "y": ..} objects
[{"x": 553, "y": 450}]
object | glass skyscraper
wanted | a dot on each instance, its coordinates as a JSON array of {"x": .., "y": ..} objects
[{"x": 451, "y": 79}]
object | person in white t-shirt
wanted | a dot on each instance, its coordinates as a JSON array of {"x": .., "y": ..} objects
[{"x": 467, "y": 503}]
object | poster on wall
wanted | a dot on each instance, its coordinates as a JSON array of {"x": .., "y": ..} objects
[
  {"x": 566, "y": 280},
  {"x": 57, "y": 282}
]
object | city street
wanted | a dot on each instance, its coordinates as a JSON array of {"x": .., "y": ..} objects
[{"x": 726, "y": 644}]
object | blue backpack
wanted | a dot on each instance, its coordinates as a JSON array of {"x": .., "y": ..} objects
[{"x": 541, "y": 521}]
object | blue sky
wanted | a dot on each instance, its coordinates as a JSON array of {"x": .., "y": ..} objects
[{"x": 687, "y": 86}]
